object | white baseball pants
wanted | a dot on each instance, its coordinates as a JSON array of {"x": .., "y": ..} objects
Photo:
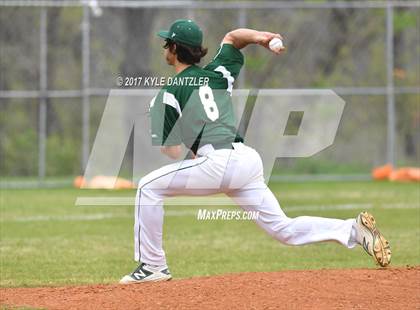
[{"x": 239, "y": 174}]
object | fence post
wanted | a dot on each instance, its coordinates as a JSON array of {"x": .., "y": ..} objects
[
  {"x": 42, "y": 112},
  {"x": 85, "y": 86},
  {"x": 242, "y": 21},
  {"x": 390, "y": 96}
]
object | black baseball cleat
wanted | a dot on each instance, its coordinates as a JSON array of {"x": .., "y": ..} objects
[
  {"x": 372, "y": 240},
  {"x": 147, "y": 273}
]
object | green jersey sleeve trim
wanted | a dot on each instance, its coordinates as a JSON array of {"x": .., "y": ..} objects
[
  {"x": 170, "y": 99},
  {"x": 227, "y": 50},
  {"x": 226, "y": 74},
  {"x": 170, "y": 131},
  {"x": 165, "y": 113},
  {"x": 228, "y": 57}
]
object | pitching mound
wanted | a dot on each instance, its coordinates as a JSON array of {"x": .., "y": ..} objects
[{"x": 392, "y": 288}]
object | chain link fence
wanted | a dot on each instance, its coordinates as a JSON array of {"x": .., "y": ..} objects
[{"x": 59, "y": 59}]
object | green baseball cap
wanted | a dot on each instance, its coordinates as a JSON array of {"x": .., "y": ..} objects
[{"x": 183, "y": 31}]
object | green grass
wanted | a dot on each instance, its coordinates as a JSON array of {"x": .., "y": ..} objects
[{"x": 47, "y": 240}]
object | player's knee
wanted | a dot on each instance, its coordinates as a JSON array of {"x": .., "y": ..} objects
[
  {"x": 150, "y": 193},
  {"x": 150, "y": 181},
  {"x": 150, "y": 189},
  {"x": 144, "y": 181}
]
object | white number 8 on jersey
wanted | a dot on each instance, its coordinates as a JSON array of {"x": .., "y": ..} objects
[{"x": 207, "y": 100}]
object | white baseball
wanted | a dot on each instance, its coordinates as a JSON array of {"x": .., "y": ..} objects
[{"x": 275, "y": 44}]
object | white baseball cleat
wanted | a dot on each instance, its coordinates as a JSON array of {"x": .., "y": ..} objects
[
  {"x": 147, "y": 273},
  {"x": 372, "y": 240}
]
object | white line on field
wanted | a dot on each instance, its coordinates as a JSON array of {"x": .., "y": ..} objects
[
  {"x": 193, "y": 212},
  {"x": 400, "y": 206},
  {"x": 171, "y": 201},
  {"x": 216, "y": 200},
  {"x": 355, "y": 206},
  {"x": 81, "y": 217}
]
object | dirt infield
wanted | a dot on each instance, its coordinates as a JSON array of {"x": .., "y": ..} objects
[{"x": 392, "y": 288}]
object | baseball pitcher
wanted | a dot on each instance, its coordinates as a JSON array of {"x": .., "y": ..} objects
[{"x": 196, "y": 110}]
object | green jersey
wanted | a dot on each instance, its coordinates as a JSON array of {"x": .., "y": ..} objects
[{"x": 195, "y": 106}]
